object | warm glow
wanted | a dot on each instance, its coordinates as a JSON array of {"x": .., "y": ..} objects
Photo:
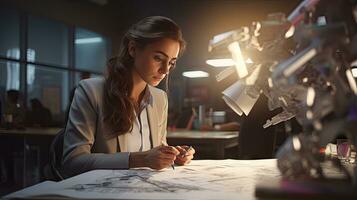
[
  {"x": 238, "y": 58},
  {"x": 249, "y": 61},
  {"x": 354, "y": 72},
  {"x": 221, "y": 37},
  {"x": 310, "y": 97},
  {"x": 270, "y": 82},
  {"x": 290, "y": 32},
  {"x": 299, "y": 62},
  {"x": 195, "y": 74},
  {"x": 224, "y": 62},
  {"x": 351, "y": 81},
  {"x": 296, "y": 143}
]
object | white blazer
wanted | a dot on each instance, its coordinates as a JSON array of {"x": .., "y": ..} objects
[{"x": 86, "y": 144}]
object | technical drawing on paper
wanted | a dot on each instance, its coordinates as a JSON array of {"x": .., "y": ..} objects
[{"x": 220, "y": 176}]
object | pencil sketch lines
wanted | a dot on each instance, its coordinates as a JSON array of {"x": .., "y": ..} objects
[{"x": 133, "y": 183}]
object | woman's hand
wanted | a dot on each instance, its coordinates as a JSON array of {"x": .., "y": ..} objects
[
  {"x": 157, "y": 158},
  {"x": 186, "y": 155}
]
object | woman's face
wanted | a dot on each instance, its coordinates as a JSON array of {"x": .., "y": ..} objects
[{"x": 155, "y": 60}]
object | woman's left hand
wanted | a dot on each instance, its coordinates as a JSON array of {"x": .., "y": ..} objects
[{"x": 186, "y": 155}]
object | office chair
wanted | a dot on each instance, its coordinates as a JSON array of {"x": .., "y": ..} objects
[{"x": 53, "y": 168}]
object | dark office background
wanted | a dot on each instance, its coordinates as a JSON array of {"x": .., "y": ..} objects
[
  {"x": 44, "y": 56},
  {"x": 53, "y": 63}
]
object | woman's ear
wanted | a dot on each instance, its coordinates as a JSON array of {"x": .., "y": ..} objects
[{"x": 131, "y": 48}]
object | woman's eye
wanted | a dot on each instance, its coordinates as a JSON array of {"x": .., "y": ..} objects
[
  {"x": 157, "y": 58},
  {"x": 172, "y": 64}
]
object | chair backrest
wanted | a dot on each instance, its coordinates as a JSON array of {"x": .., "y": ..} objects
[{"x": 55, "y": 161}]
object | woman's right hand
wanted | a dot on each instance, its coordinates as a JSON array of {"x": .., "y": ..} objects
[
  {"x": 161, "y": 157},
  {"x": 157, "y": 158}
]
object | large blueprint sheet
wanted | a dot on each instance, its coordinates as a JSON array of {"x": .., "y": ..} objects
[{"x": 202, "y": 179}]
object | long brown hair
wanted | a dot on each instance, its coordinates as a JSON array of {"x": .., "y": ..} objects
[{"x": 118, "y": 107}]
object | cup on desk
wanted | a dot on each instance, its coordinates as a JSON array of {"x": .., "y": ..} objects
[{"x": 343, "y": 150}]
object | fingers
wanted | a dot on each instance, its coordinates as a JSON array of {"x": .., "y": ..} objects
[
  {"x": 186, "y": 155},
  {"x": 181, "y": 150},
  {"x": 183, "y": 160},
  {"x": 164, "y": 156},
  {"x": 185, "y": 150},
  {"x": 191, "y": 151},
  {"x": 169, "y": 149},
  {"x": 161, "y": 157}
]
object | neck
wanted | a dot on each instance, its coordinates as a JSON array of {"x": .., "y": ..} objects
[{"x": 138, "y": 86}]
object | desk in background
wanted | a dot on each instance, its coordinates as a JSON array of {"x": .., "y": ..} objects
[
  {"x": 211, "y": 141},
  {"x": 28, "y": 132},
  {"x": 24, "y": 153}
]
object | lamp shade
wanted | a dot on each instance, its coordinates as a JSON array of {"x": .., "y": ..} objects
[{"x": 238, "y": 99}]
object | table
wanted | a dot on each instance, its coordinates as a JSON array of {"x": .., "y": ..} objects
[
  {"x": 31, "y": 146},
  {"x": 201, "y": 179},
  {"x": 30, "y": 131},
  {"x": 217, "y": 141}
]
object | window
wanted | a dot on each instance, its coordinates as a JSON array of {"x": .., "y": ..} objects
[
  {"x": 9, "y": 79},
  {"x": 91, "y": 50},
  {"x": 49, "y": 41},
  {"x": 9, "y": 75},
  {"x": 58, "y": 57},
  {"x": 9, "y": 34},
  {"x": 50, "y": 86}
]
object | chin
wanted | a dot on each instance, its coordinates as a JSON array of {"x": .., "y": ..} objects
[{"x": 153, "y": 83}]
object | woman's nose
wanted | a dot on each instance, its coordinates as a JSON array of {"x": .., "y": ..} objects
[{"x": 164, "y": 69}]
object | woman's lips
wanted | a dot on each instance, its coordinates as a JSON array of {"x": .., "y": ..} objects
[{"x": 158, "y": 78}]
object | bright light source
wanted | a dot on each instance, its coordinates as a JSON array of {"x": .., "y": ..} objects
[
  {"x": 225, "y": 73},
  {"x": 283, "y": 100},
  {"x": 253, "y": 77},
  {"x": 290, "y": 32},
  {"x": 195, "y": 74},
  {"x": 256, "y": 31},
  {"x": 296, "y": 143},
  {"x": 224, "y": 62},
  {"x": 309, "y": 114},
  {"x": 270, "y": 82},
  {"x": 310, "y": 97},
  {"x": 221, "y": 36},
  {"x": 89, "y": 40},
  {"x": 351, "y": 81},
  {"x": 354, "y": 72},
  {"x": 300, "y": 61},
  {"x": 321, "y": 21},
  {"x": 238, "y": 59},
  {"x": 249, "y": 61}
]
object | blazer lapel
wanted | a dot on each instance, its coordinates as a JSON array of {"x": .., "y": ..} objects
[{"x": 153, "y": 123}]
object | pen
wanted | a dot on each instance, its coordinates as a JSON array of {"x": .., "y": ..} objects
[{"x": 172, "y": 165}]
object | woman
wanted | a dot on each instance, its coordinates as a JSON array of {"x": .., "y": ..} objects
[{"x": 120, "y": 122}]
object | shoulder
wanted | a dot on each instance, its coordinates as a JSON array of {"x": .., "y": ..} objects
[
  {"x": 92, "y": 83},
  {"x": 92, "y": 89},
  {"x": 92, "y": 86}
]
